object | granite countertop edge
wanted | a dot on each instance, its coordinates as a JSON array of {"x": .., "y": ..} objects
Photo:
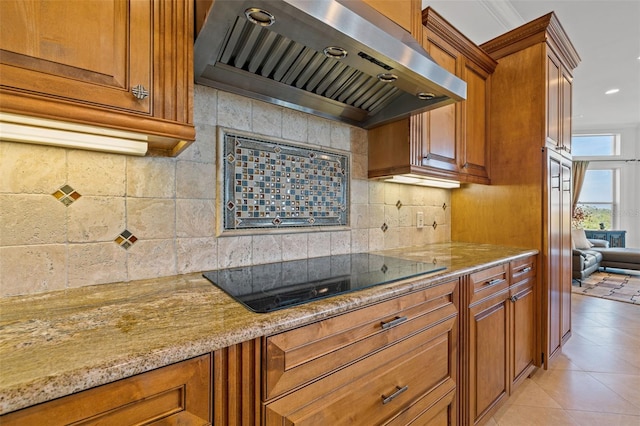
[{"x": 142, "y": 325}]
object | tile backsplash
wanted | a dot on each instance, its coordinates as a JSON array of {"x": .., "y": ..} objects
[{"x": 71, "y": 218}]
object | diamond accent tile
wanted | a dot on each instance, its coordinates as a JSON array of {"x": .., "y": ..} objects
[
  {"x": 384, "y": 227},
  {"x": 66, "y": 195},
  {"x": 399, "y": 204},
  {"x": 435, "y": 225},
  {"x": 126, "y": 239},
  {"x": 273, "y": 183}
]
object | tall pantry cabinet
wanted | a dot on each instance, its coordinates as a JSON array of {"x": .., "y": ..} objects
[{"x": 528, "y": 203}]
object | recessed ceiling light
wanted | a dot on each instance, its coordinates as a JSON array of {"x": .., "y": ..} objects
[{"x": 611, "y": 91}]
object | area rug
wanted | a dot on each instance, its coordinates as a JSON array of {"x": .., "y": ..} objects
[{"x": 621, "y": 287}]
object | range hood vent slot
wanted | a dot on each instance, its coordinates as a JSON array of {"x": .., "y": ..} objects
[{"x": 330, "y": 75}]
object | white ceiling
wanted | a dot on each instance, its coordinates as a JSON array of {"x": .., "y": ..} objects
[{"x": 606, "y": 34}]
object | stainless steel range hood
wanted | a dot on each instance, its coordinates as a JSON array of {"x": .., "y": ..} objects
[{"x": 339, "y": 59}]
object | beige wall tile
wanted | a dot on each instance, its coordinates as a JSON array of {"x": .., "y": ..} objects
[
  {"x": 341, "y": 242},
  {"x": 359, "y": 144},
  {"x": 340, "y": 136},
  {"x": 319, "y": 244},
  {"x": 151, "y": 177},
  {"x": 359, "y": 166},
  {"x": 294, "y": 125},
  {"x": 93, "y": 219},
  {"x": 294, "y": 246},
  {"x": 32, "y": 269},
  {"x": 97, "y": 263},
  {"x": 266, "y": 119},
  {"x": 376, "y": 216},
  {"x": 149, "y": 218},
  {"x": 359, "y": 240},
  {"x": 203, "y": 149},
  {"x": 31, "y": 219},
  {"x": 234, "y": 111},
  {"x": 205, "y": 105},
  {"x": 196, "y": 254},
  {"x": 376, "y": 239},
  {"x": 195, "y": 180},
  {"x": 359, "y": 191},
  {"x": 195, "y": 218},
  {"x": 234, "y": 251},
  {"x": 376, "y": 192},
  {"x": 151, "y": 258},
  {"x": 359, "y": 216},
  {"x": 31, "y": 169},
  {"x": 319, "y": 131},
  {"x": 96, "y": 173},
  {"x": 266, "y": 249}
]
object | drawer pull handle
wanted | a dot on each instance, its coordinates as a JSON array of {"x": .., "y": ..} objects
[
  {"x": 392, "y": 323},
  {"x": 399, "y": 390},
  {"x": 492, "y": 282},
  {"x": 527, "y": 269}
]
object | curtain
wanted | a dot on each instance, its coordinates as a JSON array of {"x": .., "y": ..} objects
[{"x": 579, "y": 171}]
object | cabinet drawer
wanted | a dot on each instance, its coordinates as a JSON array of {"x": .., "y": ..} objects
[
  {"x": 523, "y": 269},
  {"x": 392, "y": 386},
  {"x": 178, "y": 394},
  {"x": 488, "y": 282},
  {"x": 298, "y": 356}
]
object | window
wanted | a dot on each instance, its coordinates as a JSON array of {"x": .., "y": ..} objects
[
  {"x": 595, "y": 145},
  {"x": 598, "y": 198}
]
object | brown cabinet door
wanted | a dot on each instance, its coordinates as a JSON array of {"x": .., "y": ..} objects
[
  {"x": 474, "y": 149},
  {"x": 522, "y": 330},
  {"x": 93, "y": 52},
  {"x": 554, "y": 98},
  {"x": 440, "y": 148},
  {"x": 565, "y": 251},
  {"x": 488, "y": 337},
  {"x": 552, "y": 290},
  {"x": 566, "y": 89}
]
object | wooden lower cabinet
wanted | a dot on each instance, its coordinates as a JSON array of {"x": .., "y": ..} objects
[
  {"x": 394, "y": 363},
  {"x": 498, "y": 336},
  {"x": 179, "y": 394}
]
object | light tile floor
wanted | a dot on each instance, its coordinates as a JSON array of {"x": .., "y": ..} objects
[{"x": 594, "y": 381}]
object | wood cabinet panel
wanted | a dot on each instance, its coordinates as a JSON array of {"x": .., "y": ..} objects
[
  {"x": 179, "y": 394},
  {"x": 298, "y": 356},
  {"x": 405, "y": 13},
  {"x": 237, "y": 384},
  {"x": 376, "y": 389},
  {"x": 488, "y": 282},
  {"x": 523, "y": 205},
  {"x": 76, "y": 69},
  {"x": 488, "y": 327},
  {"x": 450, "y": 142}
]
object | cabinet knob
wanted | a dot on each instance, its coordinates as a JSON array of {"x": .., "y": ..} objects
[
  {"x": 514, "y": 298},
  {"x": 139, "y": 92}
]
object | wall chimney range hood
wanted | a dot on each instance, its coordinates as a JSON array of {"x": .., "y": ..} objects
[{"x": 339, "y": 59}]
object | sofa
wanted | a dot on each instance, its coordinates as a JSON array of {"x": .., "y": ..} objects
[
  {"x": 588, "y": 260},
  {"x": 589, "y": 255}
]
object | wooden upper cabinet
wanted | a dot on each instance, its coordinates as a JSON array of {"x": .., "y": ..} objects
[
  {"x": 84, "y": 62},
  {"x": 405, "y": 13},
  {"x": 449, "y": 142},
  {"x": 560, "y": 59}
]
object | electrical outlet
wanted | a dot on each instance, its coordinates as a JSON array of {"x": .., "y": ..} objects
[{"x": 420, "y": 220}]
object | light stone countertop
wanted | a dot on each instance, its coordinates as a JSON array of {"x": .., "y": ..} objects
[{"x": 54, "y": 344}]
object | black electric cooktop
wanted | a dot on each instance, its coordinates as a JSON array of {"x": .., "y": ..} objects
[{"x": 274, "y": 286}]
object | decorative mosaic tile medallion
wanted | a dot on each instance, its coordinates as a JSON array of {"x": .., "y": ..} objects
[
  {"x": 66, "y": 195},
  {"x": 126, "y": 239},
  {"x": 275, "y": 184}
]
